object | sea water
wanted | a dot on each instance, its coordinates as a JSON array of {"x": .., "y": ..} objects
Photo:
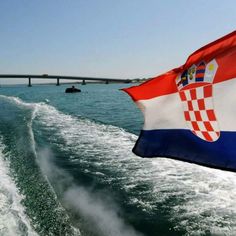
[{"x": 67, "y": 168}]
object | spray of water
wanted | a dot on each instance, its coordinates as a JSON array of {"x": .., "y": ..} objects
[
  {"x": 204, "y": 199},
  {"x": 13, "y": 220},
  {"x": 41, "y": 204},
  {"x": 97, "y": 209}
]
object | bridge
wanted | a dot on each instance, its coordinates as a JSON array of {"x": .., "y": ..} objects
[{"x": 64, "y": 77}]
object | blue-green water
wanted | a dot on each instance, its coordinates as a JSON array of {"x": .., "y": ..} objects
[{"x": 67, "y": 168}]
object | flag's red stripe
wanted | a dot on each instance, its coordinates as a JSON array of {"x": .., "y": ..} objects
[
  {"x": 223, "y": 50},
  {"x": 158, "y": 86},
  {"x": 211, "y": 50},
  {"x": 226, "y": 66}
]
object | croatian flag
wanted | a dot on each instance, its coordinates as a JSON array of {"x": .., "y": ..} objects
[{"x": 190, "y": 111}]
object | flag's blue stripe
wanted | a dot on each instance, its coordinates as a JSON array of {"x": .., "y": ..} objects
[{"x": 183, "y": 145}]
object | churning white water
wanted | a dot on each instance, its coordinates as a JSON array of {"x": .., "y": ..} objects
[
  {"x": 205, "y": 199},
  {"x": 199, "y": 200},
  {"x": 13, "y": 220}
]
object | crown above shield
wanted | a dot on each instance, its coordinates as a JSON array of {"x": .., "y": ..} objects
[{"x": 201, "y": 73}]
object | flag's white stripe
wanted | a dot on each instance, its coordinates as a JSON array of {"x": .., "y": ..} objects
[
  {"x": 166, "y": 112},
  {"x": 224, "y": 98}
]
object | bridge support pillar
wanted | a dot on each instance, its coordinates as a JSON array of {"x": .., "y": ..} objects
[
  {"x": 58, "y": 81},
  {"x": 107, "y": 82},
  {"x": 83, "y": 82},
  {"x": 29, "y": 84}
]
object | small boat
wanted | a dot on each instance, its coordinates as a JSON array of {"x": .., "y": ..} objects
[{"x": 72, "y": 90}]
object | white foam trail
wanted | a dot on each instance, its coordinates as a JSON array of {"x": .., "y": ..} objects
[
  {"x": 100, "y": 212},
  {"x": 33, "y": 109},
  {"x": 13, "y": 220},
  {"x": 17, "y": 101},
  {"x": 203, "y": 199}
]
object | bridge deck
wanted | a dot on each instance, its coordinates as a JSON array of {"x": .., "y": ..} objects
[{"x": 65, "y": 77}]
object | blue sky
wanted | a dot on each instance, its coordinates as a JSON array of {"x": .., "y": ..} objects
[{"x": 107, "y": 38}]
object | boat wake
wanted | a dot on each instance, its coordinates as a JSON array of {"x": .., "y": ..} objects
[
  {"x": 40, "y": 202},
  {"x": 13, "y": 220},
  {"x": 194, "y": 200},
  {"x": 197, "y": 199}
]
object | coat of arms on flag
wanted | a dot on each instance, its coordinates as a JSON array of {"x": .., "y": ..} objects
[
  {"x": 190, "y": 111},
  {"x": 196, "y": 93}
]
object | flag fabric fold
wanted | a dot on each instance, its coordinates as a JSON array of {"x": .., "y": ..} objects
[{"x": 190, "y": 111}]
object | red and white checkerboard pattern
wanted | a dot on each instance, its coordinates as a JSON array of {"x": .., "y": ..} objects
[{"x": 199, "y": 112}]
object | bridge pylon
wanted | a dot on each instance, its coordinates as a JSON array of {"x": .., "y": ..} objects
[{"x": 29, "y": 84}]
